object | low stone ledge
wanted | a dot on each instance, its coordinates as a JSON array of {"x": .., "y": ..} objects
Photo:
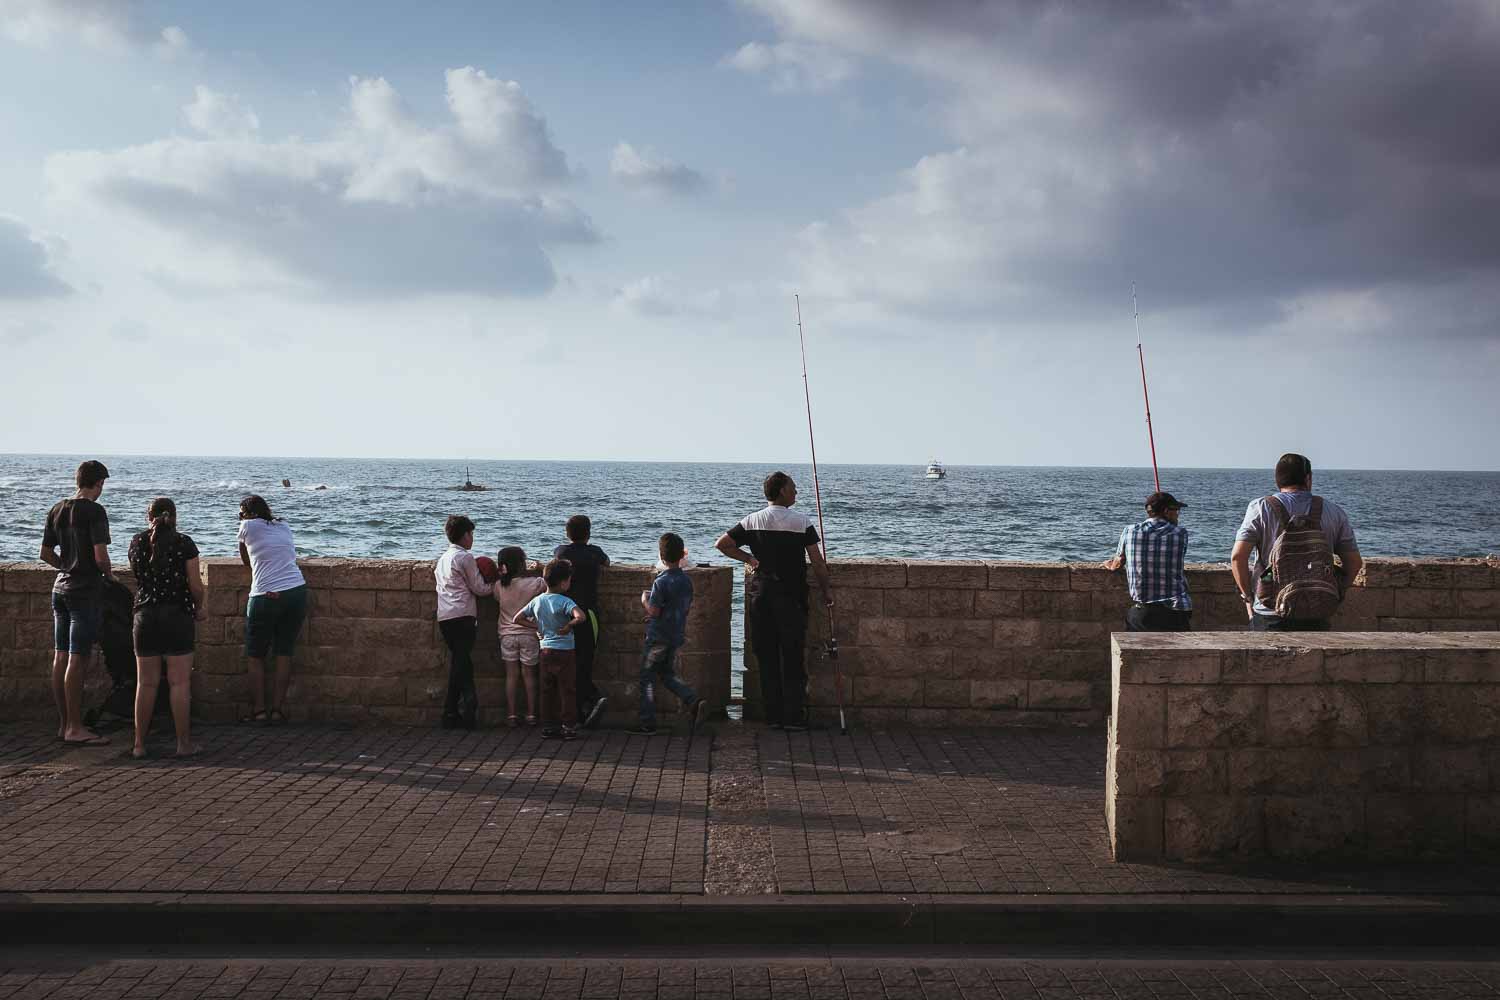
[{"x": 1359, "y": 746}]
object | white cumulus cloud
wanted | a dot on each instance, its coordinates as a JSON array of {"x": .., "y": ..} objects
[
  {"x": 101, "y": 24},
  {"x": 216, "y": 114},
  {"x": 384, "y": 205},
  {"x": 644, "y": 170}
]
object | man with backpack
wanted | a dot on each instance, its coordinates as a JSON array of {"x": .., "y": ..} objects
[{"x": 1293, "y": 584}]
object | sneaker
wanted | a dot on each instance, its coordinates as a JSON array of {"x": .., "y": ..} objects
[
  {"x": 644, "y": 729},
  {"x": 595, "y": 713},
  {"x": 551, "y": 734},
  {"x": 569, "y": 733}
]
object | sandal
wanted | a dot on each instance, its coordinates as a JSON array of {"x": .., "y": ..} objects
[
  {"x": 513, "y": 721},
  {"x": 531, "y": 720},
  {"x": 260, "y": 718}
]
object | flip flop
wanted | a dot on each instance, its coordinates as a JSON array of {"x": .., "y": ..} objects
[
  {"x": 260, "y": 718},
  {"x": 190, "y": 753},
  {"x": 137, "y": 756},
  {"x": 92, "y": 741}
]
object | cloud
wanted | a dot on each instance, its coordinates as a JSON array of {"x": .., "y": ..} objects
[
  {"x": 1233, "y": 159},
  {"x": 101, "y": 24},
  {"x": 25, "y": 264},
  {"x": 385, "y": 205},
  {"x": 25, "y": 332},
  {"x": 643, "y": 170},
  {"x": 220, "y": 115},
  {"x": 792, "y": 66}
]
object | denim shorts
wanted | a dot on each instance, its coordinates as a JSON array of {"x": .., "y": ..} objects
[
  {"x": 273, "y": 623},
  {"x": 76, "y": 618}
]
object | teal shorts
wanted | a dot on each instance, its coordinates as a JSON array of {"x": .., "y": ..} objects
[{"x": 272, "y": 624}]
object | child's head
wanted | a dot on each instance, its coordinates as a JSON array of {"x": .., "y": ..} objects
[
  {"x": 512, "y": 560},
  {"x": 558, "y": 574},
  {"x": 579, "y": 527},
  {"x": 457, "y": 528},
  {"x": 670, "y": 548}
]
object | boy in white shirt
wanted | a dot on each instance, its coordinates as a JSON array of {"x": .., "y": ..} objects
[{"x": 458, "y": 583}]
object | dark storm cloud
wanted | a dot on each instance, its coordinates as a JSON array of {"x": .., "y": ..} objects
[{"x": 1221, "y": 153}]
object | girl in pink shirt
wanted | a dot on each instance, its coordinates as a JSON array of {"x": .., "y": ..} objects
[{"x": 520, "y": 648}]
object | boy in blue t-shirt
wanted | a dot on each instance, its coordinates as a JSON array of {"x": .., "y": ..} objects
[
  {"x": 555, "y": 614},
  {"x": 667, "y": 604}
]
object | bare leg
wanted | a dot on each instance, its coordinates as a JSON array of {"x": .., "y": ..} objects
[
  {"x": 256, "y": 671},
  {"x": 73, "y": 694},
  {"x": 513, "y": 685},
  {"x": 147, "y": 676},
  {"x": 179, "y": 676},
  {"x": 59, "y": 692},
  {"x": 283, "y": 681},
  {"x": 531, "y": 688}
]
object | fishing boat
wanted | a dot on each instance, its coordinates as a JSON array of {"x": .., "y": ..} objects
[
  {"x": 469, "y": 485},
  {"x": 935, "y": 470}
]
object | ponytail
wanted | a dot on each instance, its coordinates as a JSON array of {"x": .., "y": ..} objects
[
  {"x": 512, "y": 560},
  {"x": 162, "y": 513}
]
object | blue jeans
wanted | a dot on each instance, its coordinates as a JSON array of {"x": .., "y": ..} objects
[
  {"x": 76, "y": 618},
  {"x": 658, "y": 662}
]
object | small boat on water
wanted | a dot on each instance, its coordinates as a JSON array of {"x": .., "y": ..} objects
[
  {"x": 935, "y": 470},
  {"x": 469, "y": 485}
]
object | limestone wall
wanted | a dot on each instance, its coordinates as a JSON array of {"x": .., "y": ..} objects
[
  {"x": 976, "y": 643},
  {"x": 370, "y": 650},
  {"x": 1342, "y": 745}
]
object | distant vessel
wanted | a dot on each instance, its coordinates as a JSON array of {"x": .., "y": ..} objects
[
  {"x": 935, "y": 470},
  {"x": 469, "y": 485}
]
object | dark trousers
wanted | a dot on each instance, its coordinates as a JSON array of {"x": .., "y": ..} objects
[
  {"x": 1157, "y": 618},
  {"x": 584, "y": 644},
  {"x": 1270, "y": 623},
  {"x": 778, "y": 628},
  {"x": 463, "y": 698},
  {"x": 559, "y": 673}
]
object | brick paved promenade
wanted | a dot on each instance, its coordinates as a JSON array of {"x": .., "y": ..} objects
[
  {"x": 749, "y": 980},
  {"x": 317, "y": 810}
]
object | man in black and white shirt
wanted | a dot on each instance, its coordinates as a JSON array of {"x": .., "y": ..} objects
[{"x": 780, "y": 542}]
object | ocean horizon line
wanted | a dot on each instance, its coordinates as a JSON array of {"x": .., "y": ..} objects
[{"x": 677, "y": 462}]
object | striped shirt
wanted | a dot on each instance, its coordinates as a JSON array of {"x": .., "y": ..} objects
[{"x": 1154, "y": 551}]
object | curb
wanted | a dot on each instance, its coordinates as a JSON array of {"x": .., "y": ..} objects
[{"x": 918, "y": 921}]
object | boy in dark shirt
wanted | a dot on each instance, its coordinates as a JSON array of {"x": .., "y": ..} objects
[
  {"x": 667, "y": 604},
  {"x": 79, "y": 527},
  {"x": 587, "y": 561}
]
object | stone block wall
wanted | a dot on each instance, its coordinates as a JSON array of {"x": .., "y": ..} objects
[
  {"x": 1358, "y": 746},
  {"x": 370, "y": 650},
  {"x": 997, "y": 643}
]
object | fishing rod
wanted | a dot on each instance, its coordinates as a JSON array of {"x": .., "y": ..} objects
[
  {"x": 831, "y": 649},
  {"x": 1150, "y": 434}
]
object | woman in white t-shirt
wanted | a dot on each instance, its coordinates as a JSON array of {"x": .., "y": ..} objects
[{"x": 276, "y": 609}]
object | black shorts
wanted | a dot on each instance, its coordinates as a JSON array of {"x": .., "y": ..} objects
[{"x": 163, "y": 630}]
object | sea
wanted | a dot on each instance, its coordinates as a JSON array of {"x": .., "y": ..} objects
[{"x": 394, "y": 508}]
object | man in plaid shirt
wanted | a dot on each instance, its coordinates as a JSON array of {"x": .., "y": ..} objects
[{"x": 1152, "y": 553}]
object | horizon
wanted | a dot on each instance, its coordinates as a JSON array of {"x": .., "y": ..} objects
[{"x": 1269, "y": 470}]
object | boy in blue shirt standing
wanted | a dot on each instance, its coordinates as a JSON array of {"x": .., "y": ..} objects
[
  {"x": 667, "y": 604},
  {"x": 555, "y": 615}
]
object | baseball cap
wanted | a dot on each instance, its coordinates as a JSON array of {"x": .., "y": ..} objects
[{"x": 1163, "y": 501}]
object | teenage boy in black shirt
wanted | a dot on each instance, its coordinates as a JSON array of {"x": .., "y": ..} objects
[
  {"x": 780, "y": 542},
  {"x": 79, "y": 528},
  {"x": 587, "y": 561}
]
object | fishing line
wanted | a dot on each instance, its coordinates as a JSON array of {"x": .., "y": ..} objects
[
  {"x": 1150, "y": 434},
  {"x": 831, "y": 649}
]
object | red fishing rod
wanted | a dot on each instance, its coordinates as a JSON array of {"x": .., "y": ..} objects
[
  {"x": 1150, "y": 434},
  {"x": 831, "y": 649}
]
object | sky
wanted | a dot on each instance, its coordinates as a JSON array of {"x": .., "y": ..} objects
[{"x": 574, "y": 230}]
